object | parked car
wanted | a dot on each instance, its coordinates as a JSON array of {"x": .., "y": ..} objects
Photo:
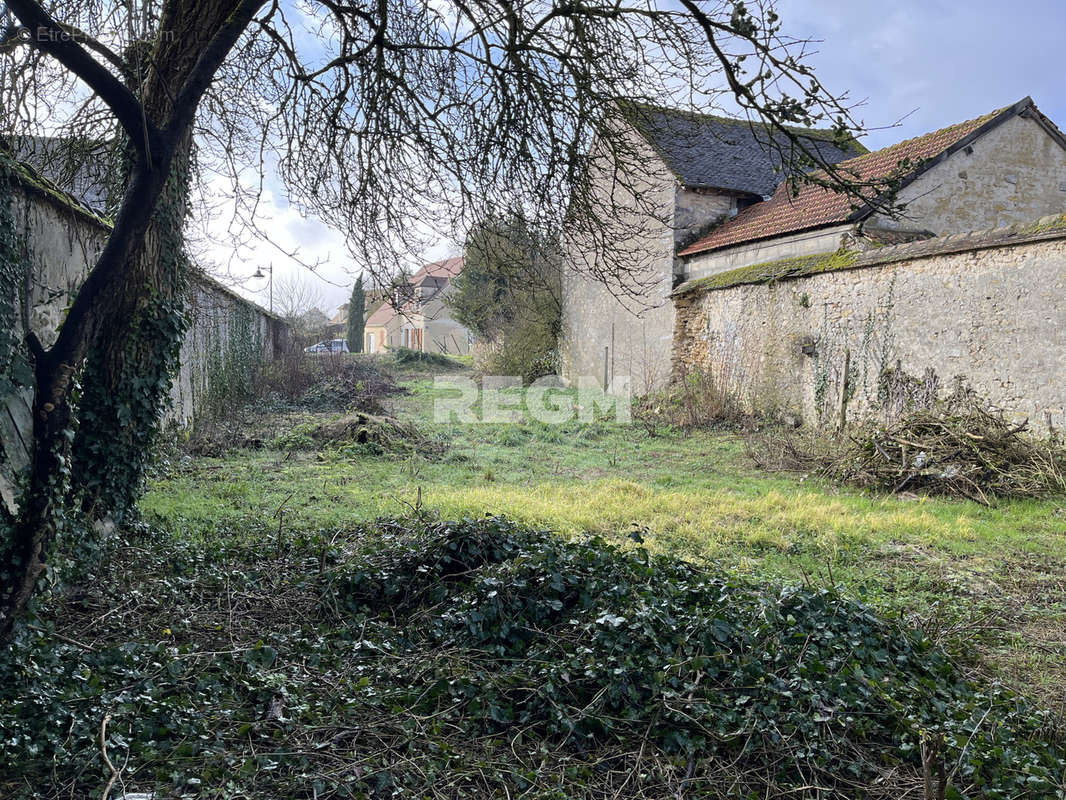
[{"x": 329, "y": 346}]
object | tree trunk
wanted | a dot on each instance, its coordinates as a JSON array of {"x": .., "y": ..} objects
[{"x": 121, "y": 288}]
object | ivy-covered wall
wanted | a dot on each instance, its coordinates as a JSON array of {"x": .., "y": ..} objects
[
  {"x": 47, "y": 245},
  {"x": 227, "y": 342},
  {"x": 850, "y": 336}
]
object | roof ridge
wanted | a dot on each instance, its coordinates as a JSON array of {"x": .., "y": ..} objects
[
  {"x": 978, "y": 120},
  {"x": 823, "y": 133}
]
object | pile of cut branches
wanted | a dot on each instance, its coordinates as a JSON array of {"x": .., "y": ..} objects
[
  {"x": 376, "y": 434},
  {"x": 958, "y": 447},
  {"x": 337, "y": 382}
]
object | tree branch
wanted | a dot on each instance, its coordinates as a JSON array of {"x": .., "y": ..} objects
[
  {"x": 206, "y": 67},
  {"x": 54, "y": 38}
]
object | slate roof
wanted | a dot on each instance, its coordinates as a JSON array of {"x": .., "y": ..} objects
[
  {"x": 816, "y": 207},
  {"x": 707, "y": 151}
]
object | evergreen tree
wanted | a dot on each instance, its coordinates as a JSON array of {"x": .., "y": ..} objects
[
  {"x": 508, "y": 295},
  {"x": 356, "y": 317}
]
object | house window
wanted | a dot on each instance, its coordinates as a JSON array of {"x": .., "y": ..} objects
[{"x": 370, "y": 343}]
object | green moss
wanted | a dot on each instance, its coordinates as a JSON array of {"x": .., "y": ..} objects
[
  {"x": 770, "y": 271},
  {"x": 33, "y": 181},
  {"x": 1044, "y": 225}
]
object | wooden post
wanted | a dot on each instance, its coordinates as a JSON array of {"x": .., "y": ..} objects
[{"x": 844, "y": 390}]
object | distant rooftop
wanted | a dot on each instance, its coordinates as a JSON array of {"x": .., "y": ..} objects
[
  {"x": 446, "y": 269},
  {"x": 707, "y": 151}
]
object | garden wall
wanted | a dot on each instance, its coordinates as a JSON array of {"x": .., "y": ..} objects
[
  {"x": 854, "y": 335},
  {"x": 60, "y": 239}
]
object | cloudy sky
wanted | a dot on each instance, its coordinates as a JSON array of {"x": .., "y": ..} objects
[{"x": 922, "y": 63}]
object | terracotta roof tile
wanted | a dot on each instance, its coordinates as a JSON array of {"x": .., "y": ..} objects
[
  {"x": 382, "y": 316},
  {"x": 448, "y": 268},
  {"x": 816, "y": 207}
]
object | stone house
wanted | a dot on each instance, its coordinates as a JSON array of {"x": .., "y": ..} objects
[
  {"x": 682, "y": 173},
  {"x": 1005, "y": 167},
  {"x": 418, "y": 316}
]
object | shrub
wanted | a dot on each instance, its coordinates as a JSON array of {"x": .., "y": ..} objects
[
  {"x": 508, "y": 295},
  {"x": 407, "y": 358},
  {"x": 700, "y": 399}
]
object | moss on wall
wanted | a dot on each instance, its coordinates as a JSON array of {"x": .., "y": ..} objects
[
  {"x": 770, "y": 271},
  {"x": 14, "y": 367},
  {"x": 34, "y": 182}
]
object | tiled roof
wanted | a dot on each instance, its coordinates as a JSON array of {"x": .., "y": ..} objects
[
  {"x": 382, "y": 316},
  {"x": 724, "y": 153},
  {"x": 448, "y": 269},
  {"x": 816, "y": 207}
]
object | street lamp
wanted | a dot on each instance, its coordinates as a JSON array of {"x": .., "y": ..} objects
[{"x": 259, "y": 274}]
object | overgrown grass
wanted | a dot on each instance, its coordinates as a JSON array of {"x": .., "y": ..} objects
[{"x": 988, "y": 583}]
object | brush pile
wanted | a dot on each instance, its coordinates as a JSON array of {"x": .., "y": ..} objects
[
  {"x": 376, "y": 434},
  {"x": 336, "y": 382},
  {"x": 956, "y": 448}
]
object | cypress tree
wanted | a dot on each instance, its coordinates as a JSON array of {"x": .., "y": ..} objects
[{"x": 356, "y": 317}]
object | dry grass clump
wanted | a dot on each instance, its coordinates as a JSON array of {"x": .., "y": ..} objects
[
  {"x": 957, "y": 447},
  {"x": 701, "y": 399}
]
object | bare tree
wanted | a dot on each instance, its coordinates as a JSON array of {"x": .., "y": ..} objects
[
  {"x": 294, "y": 295},
  {"x": 389, "y": 120}
]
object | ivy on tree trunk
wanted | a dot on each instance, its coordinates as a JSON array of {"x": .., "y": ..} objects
[{"x": 135, "y": 281}]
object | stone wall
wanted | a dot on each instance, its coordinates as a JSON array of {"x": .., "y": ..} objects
[
  {"x": 227, "y": 336},
  {"x": 712, "y": 262},
  {"x": 868, "y": 335},
  {"x": 63, "y": 239}
]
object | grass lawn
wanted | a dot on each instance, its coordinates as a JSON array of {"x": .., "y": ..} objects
[{"x": 988, "y": 583}]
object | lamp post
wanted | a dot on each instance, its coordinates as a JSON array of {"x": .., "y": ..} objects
[{"x": 259, "y": 274}]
